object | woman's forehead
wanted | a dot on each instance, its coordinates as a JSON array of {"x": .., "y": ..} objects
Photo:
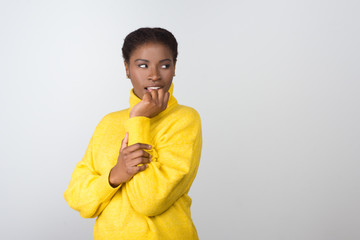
[{"x": 152, "y": 51}]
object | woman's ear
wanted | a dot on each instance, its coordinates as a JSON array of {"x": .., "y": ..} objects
[{"x": 127, "y": 68}]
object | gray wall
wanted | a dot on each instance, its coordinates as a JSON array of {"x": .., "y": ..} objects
[{"x": 276, "y": 84}]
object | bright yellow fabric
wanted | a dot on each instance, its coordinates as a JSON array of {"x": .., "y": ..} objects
[{"x": 154, "y": 204}]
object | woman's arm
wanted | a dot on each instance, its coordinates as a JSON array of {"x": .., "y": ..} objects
[
  {"x": 175, "y": 162},
  {"x": 89, "y": 192}
]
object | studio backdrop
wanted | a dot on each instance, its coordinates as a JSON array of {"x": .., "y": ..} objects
[{"x": 276, "y": 84}]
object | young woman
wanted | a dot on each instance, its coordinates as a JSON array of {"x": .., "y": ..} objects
[{"x": 137, "y": 188}]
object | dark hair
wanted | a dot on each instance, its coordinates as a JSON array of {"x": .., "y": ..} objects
[{"x": 148, "y": 35}]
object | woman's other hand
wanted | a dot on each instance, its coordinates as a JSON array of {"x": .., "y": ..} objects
[
  {"x": 129, "y": 159},
  {"x": 151, "y": 105}
]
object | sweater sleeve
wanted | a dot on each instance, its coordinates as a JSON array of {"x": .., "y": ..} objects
[
  {"x": 175, "y": 162},
  {"x": 89, "y": 192}
]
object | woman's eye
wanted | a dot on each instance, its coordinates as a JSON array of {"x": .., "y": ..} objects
[
  {"x": 165, "y": 66},
  {"x": 142, "y": 65}
]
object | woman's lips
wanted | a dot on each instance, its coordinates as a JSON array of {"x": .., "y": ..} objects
[{"x": 149, "y": 89}]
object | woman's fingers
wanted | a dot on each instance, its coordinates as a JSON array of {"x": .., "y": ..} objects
[
  {"x": 163, "y": 98},
  {"x": 124, "y": 142},
  {"x": 135, "y": 155},
  {"x": 134, "y": 168},
  {"x": 137, "y": 146},
  {"x": 152, "y": 104},
  {"x": 160, "y": 96},
  {"x": 139, "y": 169},
  {"x": 154, "y": 96},
  {"x": 138, "y": 154},
  {"x": 166, "y": 99},
  {"x": 140, "y": 160},
  {"x": 129, "y": 159},
  {"x": 147, "y": 97}
]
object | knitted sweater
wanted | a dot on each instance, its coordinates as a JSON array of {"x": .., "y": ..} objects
[{"x": 153, "y": 204}]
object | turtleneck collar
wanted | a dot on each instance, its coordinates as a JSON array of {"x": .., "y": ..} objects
[{"x": 135, "y": 100}]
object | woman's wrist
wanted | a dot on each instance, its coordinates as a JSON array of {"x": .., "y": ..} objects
[
  {"x": 137, "y": 115},
  {"x": 133, "y": 115},
  {"x": 113, "y": 181}
]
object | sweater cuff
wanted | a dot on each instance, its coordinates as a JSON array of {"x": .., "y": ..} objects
[
  {"x": 139, "y": 130},
  {"x": 104, "y": 190}
]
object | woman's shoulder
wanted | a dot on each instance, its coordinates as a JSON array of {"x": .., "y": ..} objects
[
  {"x": 115, "y": 115},
  {"x": 112, "y": 120},
  {"x": 187, "y": 113},
  {"x": 187, "y": 110}
]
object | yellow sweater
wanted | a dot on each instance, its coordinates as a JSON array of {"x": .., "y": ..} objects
[{"x": 154, "y": 204}]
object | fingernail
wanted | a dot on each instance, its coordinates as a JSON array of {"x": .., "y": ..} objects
[{"x": 150, "y": 146}]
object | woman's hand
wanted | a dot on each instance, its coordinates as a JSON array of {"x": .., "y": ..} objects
[
  {"x": 151, "y": 105},
  {"x": 129, "y": 157}
]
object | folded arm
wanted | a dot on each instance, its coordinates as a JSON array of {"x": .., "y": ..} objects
[
  {"x": 89, "y": 192},
  {"x": 175, "y": 162}
]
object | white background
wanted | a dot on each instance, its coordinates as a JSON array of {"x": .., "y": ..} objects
[{"x": 276, "y": 84}]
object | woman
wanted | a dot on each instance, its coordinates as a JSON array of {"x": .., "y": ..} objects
[{"x": 140, "y": 192}]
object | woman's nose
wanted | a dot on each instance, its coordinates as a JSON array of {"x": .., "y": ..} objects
[{"x": 154, "y": 74}]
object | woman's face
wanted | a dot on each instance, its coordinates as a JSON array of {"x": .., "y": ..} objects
[{"x": 151, "y": 66}]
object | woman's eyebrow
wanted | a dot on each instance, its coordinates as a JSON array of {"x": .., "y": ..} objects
[
  {"x": 144, "y": 60},
  {"x": 167, "y": 59}
]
